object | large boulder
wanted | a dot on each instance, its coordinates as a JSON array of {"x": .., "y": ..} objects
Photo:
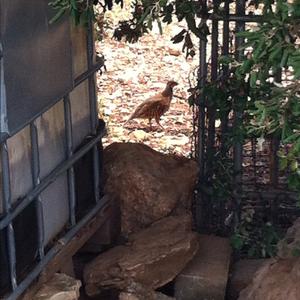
[
  {"x": 149, "y": 185},
  {"x": 152, "y": 257},
  {"x": 137, "y": 291},
  {"x": 275, "y": 280},
  {"x": 289, "y": 246},
  {"x": 59, "y": 287},
  {"x": 150, "y": 295},
  {"x": 278, "y": 279},
  {"x": 242, "y": 273}
]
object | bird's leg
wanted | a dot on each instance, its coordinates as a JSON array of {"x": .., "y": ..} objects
[
  {"x": 150, "y": 123},
  {"x": 157, "y": 121}
]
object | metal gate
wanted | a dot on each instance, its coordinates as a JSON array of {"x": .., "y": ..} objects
[
  {"x": 270, "y": 199},
  {"x": 50, "y": 136}
]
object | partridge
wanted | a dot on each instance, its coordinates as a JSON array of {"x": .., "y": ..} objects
[{"x": 155, "y": 106}]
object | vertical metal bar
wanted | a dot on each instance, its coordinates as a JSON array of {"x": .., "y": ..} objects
[
  {"x": 202, "y": 75},
  {"x": 214, "y": 50},
  {"x": 225, "y": 52},
  {"x": 254, "y": 162},
  {"x": 96, "y": 173},
  {"x": 274, "y": 176},
  {"x": 238, "y": 115},
  {"x": 92, "y": 88},
  {"x": 35, "y": 163},
  {"x": 201, "y": 119},
  {"x": 224, "y": 115},
  {"x": 225, "y": 48},
  {"x": 6, "y": 208},
  {"x": 274, "y": 147},
  {"x": 71, "y": 175},
  {"x": 93, "y": 108},
  {"x": 211, "y": 113},
  {"x": 211, "y": 116},
  {"x": 240, "y": 26},
  {"x": 3, "y": 109}
]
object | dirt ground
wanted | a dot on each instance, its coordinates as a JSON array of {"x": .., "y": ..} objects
[{"x": 134, "y": 73}]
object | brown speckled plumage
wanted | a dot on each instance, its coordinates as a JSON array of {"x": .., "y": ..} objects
[{"x": 156, "y": 106}]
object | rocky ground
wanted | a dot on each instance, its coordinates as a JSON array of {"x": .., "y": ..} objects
[{"x": 136, "y": 72}]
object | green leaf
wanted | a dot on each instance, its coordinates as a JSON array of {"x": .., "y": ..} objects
[
  {"x": 283, "y": 163},
  {"x": 190, "y": 19},
  {"x": 144, "y": 15},
  {"x": 276, "y": 54},
  {"x": 253, "y": 79},
  {"x": 159, "y": 26},
  {"x": 296, "y": 252},
  {"x": 149, "y": 23},
  {"x": 178, "y": 38},
  {"x": 291, "y": 138},
  {"x": 57, "y": 16},
  {"x": 237, "y": 242},
  {"x": 163, "y": 2},
  {"x": 294, "y": 165},
  {"x": 258, "y": 50},
  {"x": 247, "y": 34},
  {"x": 73, "y": 4}
]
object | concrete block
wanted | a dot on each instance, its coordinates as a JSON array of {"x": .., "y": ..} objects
[{"x": 205, "y": 276}]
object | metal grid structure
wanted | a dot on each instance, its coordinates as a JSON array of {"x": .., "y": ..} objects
[
  {"x": 251, "y": 167},
  {"x": 11, "y": 211}
]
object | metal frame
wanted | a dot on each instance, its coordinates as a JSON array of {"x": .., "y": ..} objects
[
  {"x": 205, "y": 143},
  {"x": 11, "y": 212}
]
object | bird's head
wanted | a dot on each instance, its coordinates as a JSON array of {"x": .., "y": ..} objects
[{"x": 172, "y": 83}]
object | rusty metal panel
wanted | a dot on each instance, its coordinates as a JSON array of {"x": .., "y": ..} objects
[
  {"x": 80, "y": 107},
  {"x": 19, "y": 151},
  {"x": 79, "y": 49},
  {"x": 79, "y": 97},
  {"x": 55, "y": 207},
  {"x": 52, "y": 152},
  {"x": 37, "y": 62},
  {"x": 51, "y": 138}
]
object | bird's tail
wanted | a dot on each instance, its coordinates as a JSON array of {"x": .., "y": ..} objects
[{"x": 130, "y": 118}]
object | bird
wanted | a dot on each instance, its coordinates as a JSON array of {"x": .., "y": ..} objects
[{"x": 155, "y": 106}]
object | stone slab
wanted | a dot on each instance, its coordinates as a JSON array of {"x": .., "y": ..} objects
[
  {"x": 241, "y": 275},
  {"x": 205, "y": 276},
  {"x": 60, "y": 287},
  {"x": 276, "y": 279},
  {"x": 152, "y": 257}
]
